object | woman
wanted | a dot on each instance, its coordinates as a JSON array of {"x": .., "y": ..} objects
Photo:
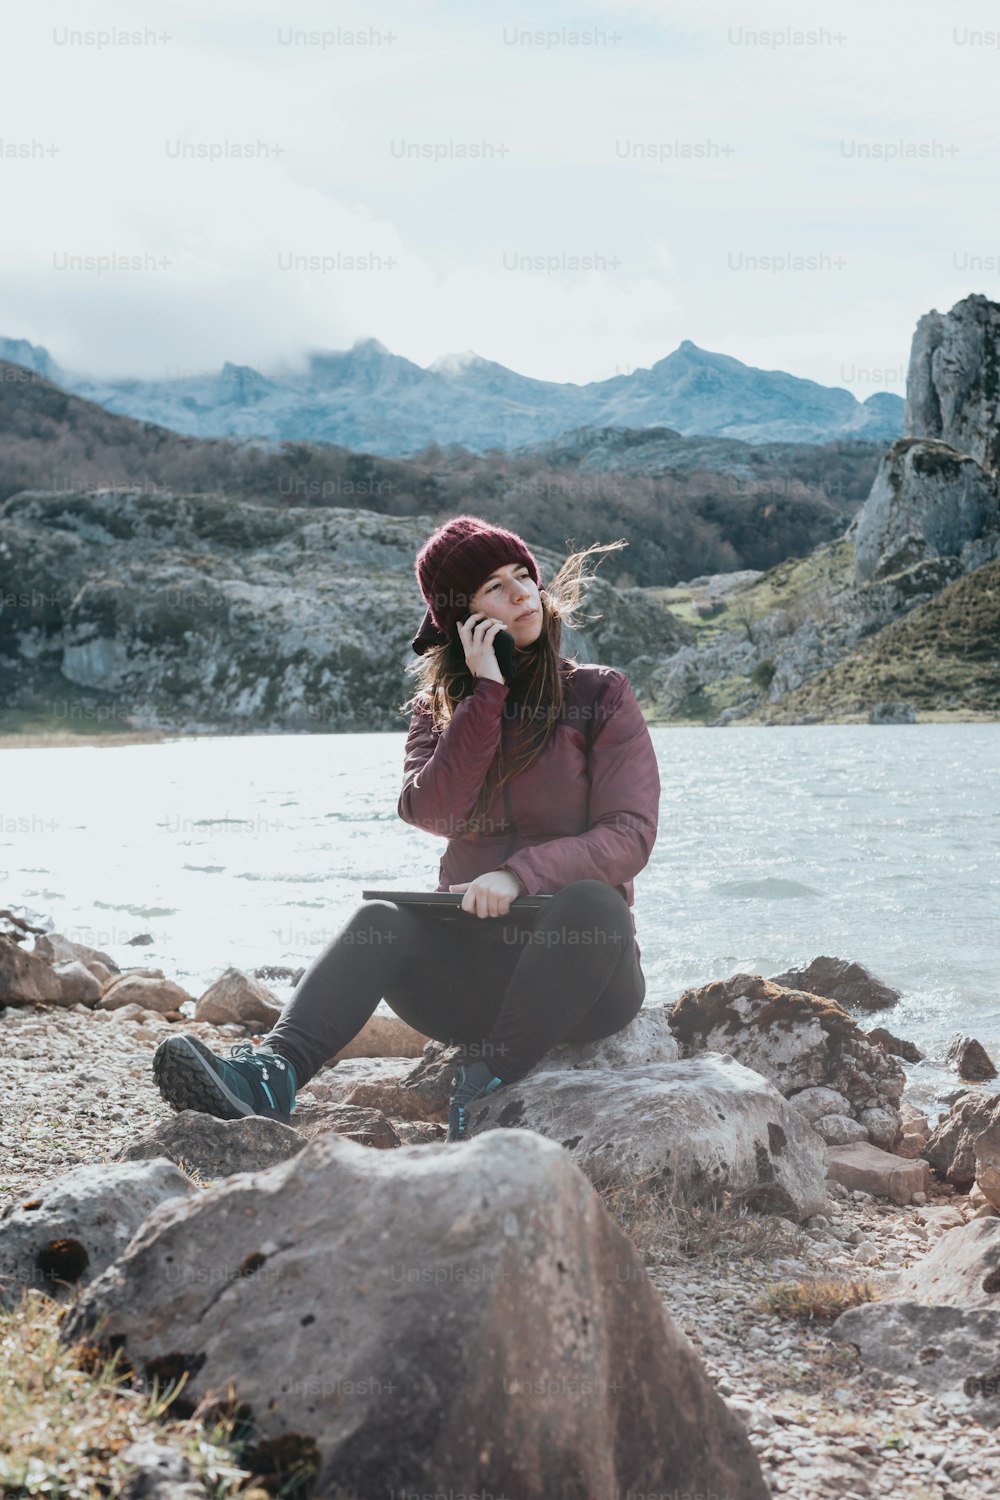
[{"x": 544, "y": 783}]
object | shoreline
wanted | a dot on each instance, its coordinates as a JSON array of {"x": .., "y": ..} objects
[
  {"x": 61, "y": 739},
  {"x": 821, "y": 1424}
]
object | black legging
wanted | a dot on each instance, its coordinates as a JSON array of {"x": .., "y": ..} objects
[{"x": 505, "y": 991}]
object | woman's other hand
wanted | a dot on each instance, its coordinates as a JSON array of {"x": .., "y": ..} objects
[
  {"x": 490, "y": 895},
  {"x": 476, "y": 634}
]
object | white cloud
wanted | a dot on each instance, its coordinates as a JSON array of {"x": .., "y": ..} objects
[{"x": 783, "y": 128}]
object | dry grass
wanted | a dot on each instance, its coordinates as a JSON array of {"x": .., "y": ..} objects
[
  {"x": 819, "y": 1300},
  {"x": 662, "y": 1226},
  {"x": 66, "y": 1417}
]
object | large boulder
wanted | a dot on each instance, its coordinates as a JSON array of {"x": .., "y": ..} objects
[
  {"x": 79, "y": 985},
  {"x": 850, "y": 984},
  {"x": 859, "y": 1165},
  {"x": 431, "y": 1318},
  {"x": 970, "y": 1059},
  {"x": 927, "y": 500},
  {"x": 940, "y": 1325},
  {"x": 55, "y": 948},
  {"x": 952, "y": 386},
  {"x": 690, "y": 1130},
  {"x": 646, "y": 1039},
  {"x": 799, "y": 1041},
  {"x": 422, "y": 1093},
  {"x": 25, "y": 979},
  {"x": 951, "y": 1148},
  {"x": 238, "y": 998},
  {"x": 151, "y": 991},
  {"x": 72, "y": 1228},
  {"x": 986, "y": 1149}
]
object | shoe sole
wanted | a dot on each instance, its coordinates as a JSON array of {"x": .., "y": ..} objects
[{"x": 186, "y": 1079}]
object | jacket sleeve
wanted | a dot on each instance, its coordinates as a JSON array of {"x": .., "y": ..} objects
[
  {"x": 442, "y": 773},
  {"x": 624, "y": 806}
]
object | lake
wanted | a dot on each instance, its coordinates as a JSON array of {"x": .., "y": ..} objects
[{"x": 874, "y": 843}]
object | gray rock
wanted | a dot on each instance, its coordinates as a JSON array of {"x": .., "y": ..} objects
[
  {"x": 940, "y": 1325},
  {"x": 951, "y": 384},
  {"x": 25, "y": 979},
  {"x": 369, "y": 1127},
  {"x": 970, "y": 1059},
  {"x": 927, "y": 501},
  {"x": 865, "y": 1168},
  {"x": 795, "y": 1038},
  {"x": 55, "y": 948},
  {"x": 840, "y": 1130},
  {"x": 892, "y": 713},
  {"x": 986, "y": 1148},
  {"x": 951, "y": 1149},
  {"x": 947, "y": 1351},
  {"x": 646, "y": 1039},
  {"x": 236, "y": 997},
  {"x": 216, "y": 1148},
  {"x": 850, "y": 984},
  {"x": 78, "y": 986},
  {"x": 818, "y": 1101},
  {"x": 149, "y": 989},
  {"x": 883, "y": 1126},
  {"x": 692, "y": 1130},
  {"x": 73, "y": 1227},
  {"x": 422, "y": 1092},
  {"x": 434, "y": 1317},
  {"x": 962, "y": 1270}
]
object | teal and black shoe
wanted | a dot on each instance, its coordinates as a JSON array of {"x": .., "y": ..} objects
[
  {"x": 469, "y": 1083},
  {"x": 250, "y": 1081}
]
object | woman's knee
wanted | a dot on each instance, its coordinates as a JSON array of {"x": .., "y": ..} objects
[{"x": 593, "y": 900}]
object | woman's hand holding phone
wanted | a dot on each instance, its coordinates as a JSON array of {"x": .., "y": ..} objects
[{"x": 476, "y": 634}]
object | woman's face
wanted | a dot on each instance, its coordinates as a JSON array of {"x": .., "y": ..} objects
[{"x": 510, "y": 594}]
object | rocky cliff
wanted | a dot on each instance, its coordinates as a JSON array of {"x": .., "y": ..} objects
[
  {"x": 823, "y": 637},
  {"x": 206, "y": 613}
]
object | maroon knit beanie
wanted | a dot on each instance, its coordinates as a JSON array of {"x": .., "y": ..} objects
[{"x": 455, "y": 562}]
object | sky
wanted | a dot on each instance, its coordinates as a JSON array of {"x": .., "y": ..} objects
[{"x": 568, "y": 190}]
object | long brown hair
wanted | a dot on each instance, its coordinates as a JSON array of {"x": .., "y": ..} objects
[{"x": 537, "y": 690}]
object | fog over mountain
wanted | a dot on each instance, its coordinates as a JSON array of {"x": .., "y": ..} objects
[{"x": 369, "y": 399}]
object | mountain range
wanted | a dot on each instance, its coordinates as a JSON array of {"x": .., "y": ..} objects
[{"x": 371, "y": 400}]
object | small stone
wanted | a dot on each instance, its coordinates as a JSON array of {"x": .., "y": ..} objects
[{"x": 970, "y": 1058}]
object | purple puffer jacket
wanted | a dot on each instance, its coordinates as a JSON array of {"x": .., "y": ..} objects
[{"x": 586, "y": 809}]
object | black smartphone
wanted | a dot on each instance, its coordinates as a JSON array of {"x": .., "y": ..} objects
[{"x": 505, "y": 651}]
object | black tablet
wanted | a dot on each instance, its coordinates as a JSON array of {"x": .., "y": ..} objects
[{"x": 449, "y": 898}]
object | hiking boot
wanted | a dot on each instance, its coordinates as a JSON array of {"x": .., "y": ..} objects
[
  {"x": 250, "y": 1081},
  {"x": 470, "y": 1082}
]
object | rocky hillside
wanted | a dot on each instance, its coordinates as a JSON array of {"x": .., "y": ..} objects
[
  {"x": 688, "y": 504},
  {"x": 366, "y": 397},
  {"x": 194, "y": 611},
  {"x": 902, "y": 609},
  {"x": 170, "y": 607},
  {"x": 942, "y": 659}
]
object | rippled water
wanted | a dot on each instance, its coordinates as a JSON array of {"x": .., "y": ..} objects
[{"x": 880, "y": 844}]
